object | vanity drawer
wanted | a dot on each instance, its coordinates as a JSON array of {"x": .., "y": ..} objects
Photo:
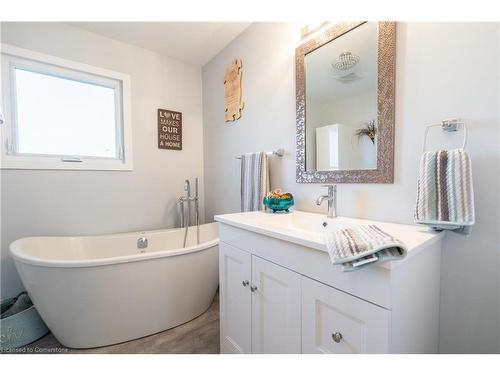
[
  {"x": 371, "y": 284},
  {"x": 336, "y": 322}
]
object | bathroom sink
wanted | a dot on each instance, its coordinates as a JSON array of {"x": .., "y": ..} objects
[
  {"x": 309, "y": 229},
  {"x": 300, "y": 227},
  {"x": 305, "y": 222},
  {"x": 293, "y": 223}
]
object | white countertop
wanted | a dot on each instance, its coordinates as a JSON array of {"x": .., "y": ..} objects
[{"x": 306, "y": 229}]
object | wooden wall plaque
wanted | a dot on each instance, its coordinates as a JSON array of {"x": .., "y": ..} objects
[
  {"x": 233, "y": 91},
  {"x": 169, "y": 129}
]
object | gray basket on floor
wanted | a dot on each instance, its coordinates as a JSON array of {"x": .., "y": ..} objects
[{"x": 21, "y": 328}]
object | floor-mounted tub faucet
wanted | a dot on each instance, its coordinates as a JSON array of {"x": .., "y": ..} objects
[
  {"x": 186, "y": 219},
  {"x": 331, "y": 198}
]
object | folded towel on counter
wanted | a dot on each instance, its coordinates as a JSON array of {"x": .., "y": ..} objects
[
  {"x": 358, "y": 246},
  {"x": 254, "y": 181},
  {"x": 445, "y": 198}
]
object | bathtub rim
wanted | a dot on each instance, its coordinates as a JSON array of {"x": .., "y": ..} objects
[{"x": 19, "y": 256}]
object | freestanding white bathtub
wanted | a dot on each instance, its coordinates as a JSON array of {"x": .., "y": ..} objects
[{"x": 101, "y": 290}]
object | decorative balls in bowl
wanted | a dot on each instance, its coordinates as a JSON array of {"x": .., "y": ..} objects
[{"x": 278, "y": 201}]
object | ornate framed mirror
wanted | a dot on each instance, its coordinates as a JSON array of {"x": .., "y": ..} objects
[{"x": 345, "y": 77}]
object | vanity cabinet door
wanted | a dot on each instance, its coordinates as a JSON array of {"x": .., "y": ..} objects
[
  {"x": 275, "y": 308},
  {"x": 235, "y": 299},
  {"x": 337, "y": 322}
]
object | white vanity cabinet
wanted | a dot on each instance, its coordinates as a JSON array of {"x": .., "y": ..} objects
[
  {"x": 279, "y": 292},
  {"x": 275, "y": 308},
  {"x": 279, "y": 311},
  {"x": 336, "y": 322},
  {"x": 260, "y": 304},
  {"x": 235, "y": 300}
]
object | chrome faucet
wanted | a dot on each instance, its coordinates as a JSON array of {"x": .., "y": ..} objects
[{"x": 331, "y": 198}]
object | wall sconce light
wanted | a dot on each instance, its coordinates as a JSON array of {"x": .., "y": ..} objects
[{"x": 310, "y": 28}]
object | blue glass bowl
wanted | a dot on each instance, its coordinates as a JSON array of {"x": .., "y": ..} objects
[{"x": 278, "y": 204}]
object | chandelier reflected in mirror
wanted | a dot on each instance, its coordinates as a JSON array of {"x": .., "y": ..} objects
[{"x": 346, "y": 61}]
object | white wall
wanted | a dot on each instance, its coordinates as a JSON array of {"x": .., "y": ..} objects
[
  {"x": 443, "y": 70},
  {"x": 45, "y": 202},
  {"x": 353, "y": 111}
]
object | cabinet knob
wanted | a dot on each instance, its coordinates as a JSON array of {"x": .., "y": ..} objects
[
  {"x": 253, "y": 288},
  {"x": 337, "y": 337},
  {"x": 245, "y": 282}
]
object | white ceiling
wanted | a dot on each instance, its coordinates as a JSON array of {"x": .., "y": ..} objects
[
  {"x": 192, "y": 42},
  {"x": 321, "y": 82}
]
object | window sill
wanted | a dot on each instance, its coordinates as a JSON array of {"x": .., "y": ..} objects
[{"x": 84, "y": 165}]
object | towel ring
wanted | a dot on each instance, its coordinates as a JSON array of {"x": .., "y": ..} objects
[{"x": 448, "y": 126}]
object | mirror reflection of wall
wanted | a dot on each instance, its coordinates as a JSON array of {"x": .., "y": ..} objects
[{"x": 341, "y": 99}]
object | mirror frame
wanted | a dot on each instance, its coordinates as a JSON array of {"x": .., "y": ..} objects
[{"x": 386, "y": 70}]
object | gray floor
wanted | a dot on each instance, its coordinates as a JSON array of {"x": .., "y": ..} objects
[{"x": 199, "y": 336}]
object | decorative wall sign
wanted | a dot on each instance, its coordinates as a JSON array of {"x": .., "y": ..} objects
[
  {"x": 169, "y": 129},
  {"x": 233, "y": 91}
]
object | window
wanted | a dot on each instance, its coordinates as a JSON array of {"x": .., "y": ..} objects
[{"x": 63, "y": 115}]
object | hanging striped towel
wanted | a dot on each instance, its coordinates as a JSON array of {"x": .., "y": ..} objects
[
  {"x": 445, "y": 198},
  {"x": 358, "y": 246},
  {"x": 254, "y": 181}
]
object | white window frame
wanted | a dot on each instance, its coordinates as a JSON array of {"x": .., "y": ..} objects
[{"x": 14, "y": 57}]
